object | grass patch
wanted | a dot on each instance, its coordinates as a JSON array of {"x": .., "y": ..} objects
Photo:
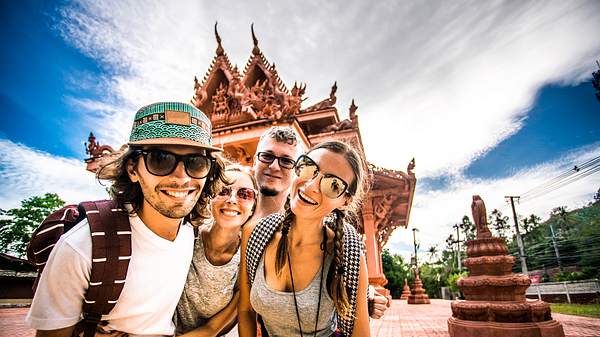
[{"x": 587, "y": 310}]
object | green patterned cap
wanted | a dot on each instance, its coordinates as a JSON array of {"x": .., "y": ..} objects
[{"x": 172, "y": 123}]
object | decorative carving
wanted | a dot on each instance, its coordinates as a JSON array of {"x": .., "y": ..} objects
[
  {"x": 220, "y": 104},
  {"x": 94, "y": 149},
  {"x": 382, "y": 209},
  {"x": 101, "y": 156},
  {"x": 326, "y": 103},
  {"x": 255, "y": 49},
  {"x": 480, "y": 217},
  {"x": 351, "y": 123},
  {"x": 220, "y": 50},
  {"x": 411, "y": 167},
  {"x": 292, "y": 102}
]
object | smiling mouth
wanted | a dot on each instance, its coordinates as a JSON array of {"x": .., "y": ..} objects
[
  {"x": 306, "y": 198},
  {"x": 229, "y": 212},
  {"x": 178, "y": 194},
  {"x": 272, "y": 176}
]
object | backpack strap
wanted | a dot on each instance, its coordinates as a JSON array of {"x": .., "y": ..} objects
[
  {"x": 353, "y": 247},
  {"x": 111, "y": 253},
  {"x": 261, "y": 235},
  {"x": 44, "y": 238}
]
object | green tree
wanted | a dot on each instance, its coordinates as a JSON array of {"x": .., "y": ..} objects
[
  {"x": 530, "y": 223},
  {"x": 562, "y": 218},
  {"x": 499, "y": 223},
  {"x": 17, "y": 224},
  {"x": 395, "y": 270},
  {"x": 468, "y": 228}
]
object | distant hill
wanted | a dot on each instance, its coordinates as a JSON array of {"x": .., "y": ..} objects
[{"x": 577, "y": 238}]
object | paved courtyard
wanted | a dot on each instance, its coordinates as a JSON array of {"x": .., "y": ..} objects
[{"x": 401, "y": 320}]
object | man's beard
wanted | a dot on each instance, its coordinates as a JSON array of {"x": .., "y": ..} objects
[{"x": 268, "y": 192}]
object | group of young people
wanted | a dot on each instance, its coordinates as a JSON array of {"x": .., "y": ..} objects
[{"x": 214, "y": 244}]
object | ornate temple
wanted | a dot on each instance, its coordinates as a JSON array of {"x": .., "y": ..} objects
[{"x": 243, "y": 105}]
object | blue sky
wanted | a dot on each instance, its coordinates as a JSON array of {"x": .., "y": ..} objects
[{"x": 491, "y": 99}]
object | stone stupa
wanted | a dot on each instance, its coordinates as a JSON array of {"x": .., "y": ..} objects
[
  {"x": 495, "y": 302},
  {"x": 418, "y": 295},
  {"x": 405, "y": 291}
]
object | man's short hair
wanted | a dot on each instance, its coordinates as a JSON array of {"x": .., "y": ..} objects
[{"x": 282, "y": 134}]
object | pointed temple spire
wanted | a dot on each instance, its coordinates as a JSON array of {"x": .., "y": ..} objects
[
  {"x": 255, "y": 50},
  {"x": 353, "y": 108},
  {"x": 220, "y": 50}
]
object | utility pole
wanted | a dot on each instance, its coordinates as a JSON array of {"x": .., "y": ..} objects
[
  {"x": 555, "y": 248},
  {"x": 458, "y": 256},
  {"x": 519, "y": 240}
]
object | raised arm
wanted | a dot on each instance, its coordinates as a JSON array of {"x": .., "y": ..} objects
[
  {"x": 361, "y": 324},
  {"x": 246, "y": 315}
]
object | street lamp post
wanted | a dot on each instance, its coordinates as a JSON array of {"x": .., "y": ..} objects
[
  {"x": 415, "y": 245},
  {"x": 458, "y": 255}
]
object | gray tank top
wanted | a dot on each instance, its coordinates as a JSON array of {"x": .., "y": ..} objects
[
  {"x": 279, "y": 312},
  {"x": 208, "y": 289}
]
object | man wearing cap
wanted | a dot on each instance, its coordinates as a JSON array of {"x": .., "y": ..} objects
[
  {"x": 274, "y": 161},
  {"x": 165, "y": 178}
]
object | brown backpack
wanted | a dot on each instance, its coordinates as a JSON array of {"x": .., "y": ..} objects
[{"x": 111, "y": 252}]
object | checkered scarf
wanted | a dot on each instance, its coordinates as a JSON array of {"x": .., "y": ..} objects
[{"x": 264, "y": 230}]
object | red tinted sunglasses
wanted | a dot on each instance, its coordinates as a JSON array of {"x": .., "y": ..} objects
[{"x": 243, "y": 194}]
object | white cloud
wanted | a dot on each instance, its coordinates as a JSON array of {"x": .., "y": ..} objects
[
  {"x": 445, "y": 81},
  {"x": 25, "y": 172},
  {"x": 435, "y": 211},
  {"x": 450, "y": 79}
]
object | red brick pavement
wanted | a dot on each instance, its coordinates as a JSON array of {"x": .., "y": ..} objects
[
  {"x": 401, "y": 320},
  {"x": 12, "y": 323}
]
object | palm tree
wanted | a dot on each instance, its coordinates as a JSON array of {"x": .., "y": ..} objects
[{"x": 432, "y": 252}]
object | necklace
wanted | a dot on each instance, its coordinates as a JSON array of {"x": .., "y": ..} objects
[{"x": 323, "y": 246}]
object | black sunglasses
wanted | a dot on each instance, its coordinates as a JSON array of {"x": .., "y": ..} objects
[
  {"x": 331, "y": 185},
  {"x": 269, "y": 158},
  {"x": 162, "y": 163}
]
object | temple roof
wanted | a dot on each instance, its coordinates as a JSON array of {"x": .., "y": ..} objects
[{"x": 242, "y": 105}]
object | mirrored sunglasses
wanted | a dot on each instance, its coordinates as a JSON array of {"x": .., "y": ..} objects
[
  {"x": 242, "y": 194},
  {"x": 331, "y": 185},
  {"x": 162, "y": 163}
]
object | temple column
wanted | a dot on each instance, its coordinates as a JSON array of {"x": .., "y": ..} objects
[{"x": 374, "y": 263}]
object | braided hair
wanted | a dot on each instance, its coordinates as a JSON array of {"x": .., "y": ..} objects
[
  {"x": 282, "y": 246},
  {"x": 337, "y": 289},
  {"x": 357, "y": 190}
]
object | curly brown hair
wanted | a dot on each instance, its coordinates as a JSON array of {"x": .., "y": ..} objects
[{"x": 125, "y": 191}]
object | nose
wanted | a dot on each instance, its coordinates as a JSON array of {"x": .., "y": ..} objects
[
  {"x": 275, "y": 164},
  {"x": 180, "y": 172},
  {"x": 313, "y": 183},
  {"x": 232, "y": 198}
]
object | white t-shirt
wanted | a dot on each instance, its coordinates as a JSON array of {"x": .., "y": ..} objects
[{"x": 155, "y": 279}]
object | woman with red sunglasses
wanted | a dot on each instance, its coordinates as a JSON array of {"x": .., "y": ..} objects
[
  {"x": 302, "y": 272},
  {"x": 208, "y": 304}
]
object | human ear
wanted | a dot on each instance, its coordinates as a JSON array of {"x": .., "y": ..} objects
[{"x": 131, "y": 172}]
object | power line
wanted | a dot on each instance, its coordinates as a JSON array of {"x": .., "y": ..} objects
[
  {"x": 566, "y": 174},
  {"x": 582, "y": 172}
]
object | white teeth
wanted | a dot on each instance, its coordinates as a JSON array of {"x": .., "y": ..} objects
[
  {"x": 177, "y": 194},
  {"x": 229, "y": 212},
  {"x": 306, "y": 197}
]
